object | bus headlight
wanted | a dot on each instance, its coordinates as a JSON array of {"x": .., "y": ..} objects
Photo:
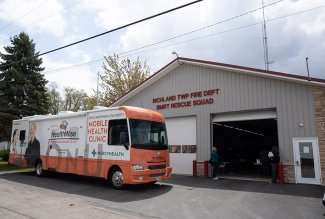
[{"x": 137, "y": 167}]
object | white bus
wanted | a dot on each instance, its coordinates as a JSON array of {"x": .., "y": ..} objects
[{"x": 125, "y": 145}]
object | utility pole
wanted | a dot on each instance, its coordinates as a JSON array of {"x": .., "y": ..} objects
[{"x": 266, "y": 52}]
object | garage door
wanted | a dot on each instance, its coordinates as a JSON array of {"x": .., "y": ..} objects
[{"x": 181, "y": 133}]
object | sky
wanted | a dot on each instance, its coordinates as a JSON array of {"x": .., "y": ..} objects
[{"x": 229, "y": 31}]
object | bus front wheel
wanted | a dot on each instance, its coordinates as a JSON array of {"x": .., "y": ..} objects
[{"x": 116, "y": 178}]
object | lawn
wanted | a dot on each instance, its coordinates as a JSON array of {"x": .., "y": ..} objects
[{"x": 4, "y": 166}]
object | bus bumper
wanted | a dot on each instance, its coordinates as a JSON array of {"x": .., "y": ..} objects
[{"x": 147, "y": 176}]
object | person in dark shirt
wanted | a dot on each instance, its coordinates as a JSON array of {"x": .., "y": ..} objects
[
  {"x": 275, "y": 159},
  {"x": 33, "y": 149},
  {"x": 214, "y": 162},
  {"x": 265, "y": 162}
]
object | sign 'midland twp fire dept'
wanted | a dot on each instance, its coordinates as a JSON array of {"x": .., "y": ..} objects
[{"x": 191, "y": 99}]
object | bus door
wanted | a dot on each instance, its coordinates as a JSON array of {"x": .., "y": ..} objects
[
  {"x": 117, "y": 147},
  {"x": 107, "y": 141}
]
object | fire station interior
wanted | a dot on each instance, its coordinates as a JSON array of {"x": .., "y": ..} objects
[{"x": 242, "y": 147}]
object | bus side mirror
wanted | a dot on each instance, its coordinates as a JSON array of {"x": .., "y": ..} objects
[{"x": 124, "y": 140}]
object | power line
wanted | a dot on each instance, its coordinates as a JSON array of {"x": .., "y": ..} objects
[
  {"x": 45, "y": 18},
  {"x": 193, "y": 39},
  {"x": 181, "y": 35},
  {"x": 24, "y": 15},
  {"x": 202, "y": 28},
  {"x": 109, "y": 31},
  {"x": 175, "y": 37},
  {"x": 313, "y": 61},
  {"x": 226, "y": 31},
  {"x": 121, "y": 27},
  {"x": 171, "y": 38},
  {"x": 76, "y": 66}
]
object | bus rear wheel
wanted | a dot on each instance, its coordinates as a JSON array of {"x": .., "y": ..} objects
[
  {"x": 116, "y": 179},
  {"x": 39, "y": 168}
]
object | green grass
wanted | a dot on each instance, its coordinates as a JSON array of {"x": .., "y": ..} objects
[{"x": 4, "y": 166}]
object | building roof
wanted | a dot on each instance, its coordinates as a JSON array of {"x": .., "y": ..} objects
[{"x": 217, "y": 65}]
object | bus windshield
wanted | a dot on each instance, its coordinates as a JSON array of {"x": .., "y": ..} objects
[{"x": 148, "y": 135}]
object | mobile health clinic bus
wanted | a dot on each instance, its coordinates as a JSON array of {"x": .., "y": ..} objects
[{"x": 125, "y": 145}]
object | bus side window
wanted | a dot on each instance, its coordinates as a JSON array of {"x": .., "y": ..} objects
[
  {"x": 118, "y": 132},
  {"x": 22, "y": 135}
]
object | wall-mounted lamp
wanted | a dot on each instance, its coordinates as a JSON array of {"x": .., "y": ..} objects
[{"x": 175, "y": 53}]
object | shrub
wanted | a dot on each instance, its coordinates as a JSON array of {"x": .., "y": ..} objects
[{"x": 4, "y": 154}]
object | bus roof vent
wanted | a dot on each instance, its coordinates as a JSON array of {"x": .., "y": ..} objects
[
  {"x": 34, "y": 117},
  {"x": 65, "y": 112},
  {"x": 99, "y": 107}
]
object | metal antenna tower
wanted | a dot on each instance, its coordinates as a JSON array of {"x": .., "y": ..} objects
[
  {"x": 266, "y": 52},
  {"x": 97, "y": 93}
]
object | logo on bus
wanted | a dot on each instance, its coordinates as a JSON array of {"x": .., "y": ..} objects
[
  {"x": 64, "y": 132},
  {"x": 93, "y": 153},
  {"x": 64, "y": 124},
  {"x": 108, "y": 153}
]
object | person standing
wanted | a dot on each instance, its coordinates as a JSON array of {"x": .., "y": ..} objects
[
  {"x": 265, "y": 162},
  {"x": 214, "y": 162},
  {"x": 275, "y": 159}
]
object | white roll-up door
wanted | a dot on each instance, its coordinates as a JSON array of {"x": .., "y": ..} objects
[{"x": 181, "y": 133}]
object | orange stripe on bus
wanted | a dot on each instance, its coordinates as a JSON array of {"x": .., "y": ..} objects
[{"x": 84, "y": 166}]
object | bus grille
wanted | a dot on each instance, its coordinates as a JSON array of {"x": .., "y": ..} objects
[{"x": 156, "y": 167}]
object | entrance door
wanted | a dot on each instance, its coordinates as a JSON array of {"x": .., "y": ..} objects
[
  {"x": 181, "y": 134},
  {"x": 307, "y": 162}
]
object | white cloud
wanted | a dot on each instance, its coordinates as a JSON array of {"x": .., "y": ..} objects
[
  {"x": 79, "y": 55},
  {"x": 3, "y": 42},
  {"x": 289, "y": 38},
  {"x": 114, "y": 13},
  {"x": 37, "y": 20},
  {"x": 70, "y": 38},
  {"x": 78, "y": 78},
  {"x": 311, "y": 23},
  {"x": 177, "y": 23},
  {"x": 74, "y": 53}
]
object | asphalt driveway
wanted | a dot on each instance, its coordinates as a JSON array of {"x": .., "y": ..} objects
[{"x": 70, "y": 196}]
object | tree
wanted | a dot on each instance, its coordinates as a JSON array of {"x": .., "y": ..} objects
[
  {"x": 55, "y": 99},
  {"x": 73, "y": 99},
  {"x": 89, "y": 102},
  {"x": 120, "y": 77},
  {"x": 22, "y": 86}
]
